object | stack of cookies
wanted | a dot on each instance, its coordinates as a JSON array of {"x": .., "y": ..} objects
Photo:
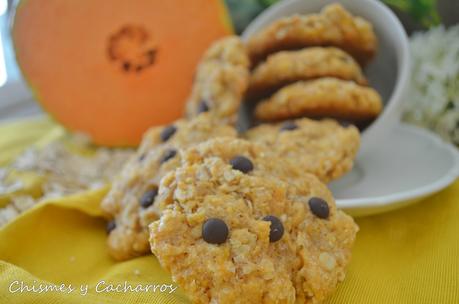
[
  {"x": 311, "y": 65},
  {"x": 247, "y": 217}
]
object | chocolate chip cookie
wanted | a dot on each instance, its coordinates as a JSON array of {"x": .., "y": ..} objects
[
  {"x": 135, "y": 189},
  {"x": 287, "y": 67},
  {"x": 324, "y": 148},
  {"x": 323, "y": 97},
  {"x": 248, "y": 157},
  {"x": 230, "y": 236},
  {"x": 333, "y": 26},
  {"x": 221, "y": 80}
]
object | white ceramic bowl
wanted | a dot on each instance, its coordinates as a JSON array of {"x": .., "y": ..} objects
[{"x": 388, "y": 73}]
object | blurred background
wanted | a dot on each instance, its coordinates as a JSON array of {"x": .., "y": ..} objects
[
  {"x": 415, "y": 14},
  {"x": 435, "y": 16}
]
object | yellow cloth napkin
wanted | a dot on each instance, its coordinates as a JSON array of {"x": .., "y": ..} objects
[{"x": 405, "y": 256}]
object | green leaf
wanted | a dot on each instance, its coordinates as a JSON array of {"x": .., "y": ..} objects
[
  {"x": 423, "y": 11},
  {"x": 268, "y": 2}
]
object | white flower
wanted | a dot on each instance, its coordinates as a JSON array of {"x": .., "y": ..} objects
[{"x": 433, "y": 100}]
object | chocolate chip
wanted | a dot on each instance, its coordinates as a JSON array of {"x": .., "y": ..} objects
[
  {"x": 148, "y": 198},
  {"x": 319, "y": 207},
  {"x": 289, "y": 126},
  {"x": 242, "y": 164},
  {"x": 214, "y": 231},
  {"x": 168, "y": 155},
  {"x": 276, "y": 229},
  {"x": 203, "y": 107},
  {"x": 167, "y": 132},
  {"x": 110, "y": 226}
]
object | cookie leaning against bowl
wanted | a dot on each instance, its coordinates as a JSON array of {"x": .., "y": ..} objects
[
  {"x": 227, "y": 236},
  {"x": 221, "y": 80},
  {"x": 134, "y": 190},
  {"x": 287, "y": 67},
  {"x": 323, "y": 148},
  {"x": 333, "y": 26},
  {"x": 323, "y": 97}
]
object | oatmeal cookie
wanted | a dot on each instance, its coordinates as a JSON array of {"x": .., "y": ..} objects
[
  {"x": 228, "y": 236},
  {"x": 323, "y": 97},
  {"x": 333, "y": 26},
  {"x": 134, "y": 190},
  {"x": 254, "y": 158},
  {"x": 221, "y": 80},
  {"x": 287, "y": 67},
  {"x": 324, "y": 148}
]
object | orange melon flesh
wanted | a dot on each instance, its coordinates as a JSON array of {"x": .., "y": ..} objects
[{"x": 113, "y": 68}]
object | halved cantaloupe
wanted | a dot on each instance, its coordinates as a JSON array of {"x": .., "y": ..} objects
[{"x": 113, "y": 68}]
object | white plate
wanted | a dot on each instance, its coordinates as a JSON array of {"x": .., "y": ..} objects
[{"x": 409, "y": 166}]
